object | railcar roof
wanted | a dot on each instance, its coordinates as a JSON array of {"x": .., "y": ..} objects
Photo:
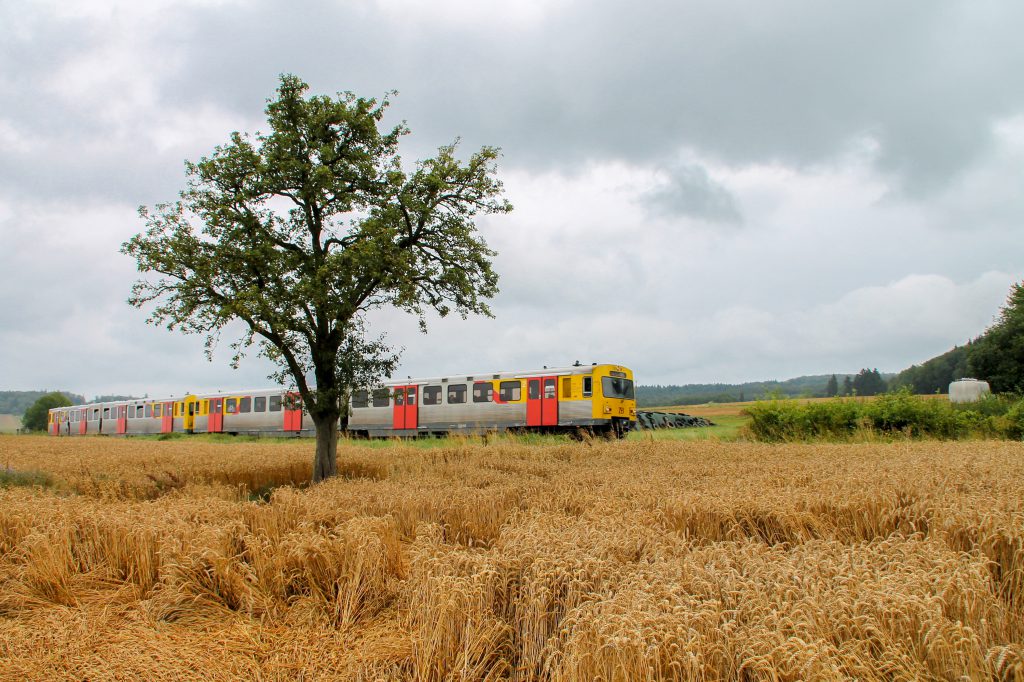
[{"x": 490, "y": 376}]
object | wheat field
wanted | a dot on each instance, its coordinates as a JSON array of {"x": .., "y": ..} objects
[{"x": 633, "y": 560}]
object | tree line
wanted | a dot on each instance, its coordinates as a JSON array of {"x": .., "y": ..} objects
[{"x": 997, "y": 356}]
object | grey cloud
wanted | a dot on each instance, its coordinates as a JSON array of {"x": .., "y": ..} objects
[
  {"x": 691, "y": 192},
  {"x": 742, "y": 82}
]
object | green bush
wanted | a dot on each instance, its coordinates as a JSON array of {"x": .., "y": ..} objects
[
  {"x": 895, "y": 414},
  {"x": 1015, "y": 420}
]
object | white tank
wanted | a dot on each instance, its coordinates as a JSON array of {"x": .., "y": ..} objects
[{"x": 968, "y": 390}]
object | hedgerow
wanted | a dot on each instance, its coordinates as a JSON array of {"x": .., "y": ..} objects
[{"x": 895, "y": 414}]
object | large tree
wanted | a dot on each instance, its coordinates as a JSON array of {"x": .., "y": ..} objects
[
  {"x": 35, "y": 417},
  {"x": 998, "y": 356},
  {"x": 301, "y": 231}
]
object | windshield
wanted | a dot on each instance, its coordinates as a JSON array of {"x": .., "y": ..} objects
[{"x": 617, "y": 387}]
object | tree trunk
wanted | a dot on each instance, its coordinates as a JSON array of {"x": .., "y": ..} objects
[{"x": 325, "y": 462}]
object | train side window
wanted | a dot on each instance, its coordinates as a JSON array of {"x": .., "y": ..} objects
[
  {"x": 259, "y": 403},
  {"x": 245, "y": 405},
  {"x": 456, "y": 394},
  {"x": 483, "y": 392},
  {"x": 566, "y": 387},
  {"x": 106, "y": 412},
  {"x": 510, "y": 391},
  {"x": 533, "y": 389},
  {"x": 381, "y": 397},
  {"x": 550, "y": 390},
  {"x": 275, "y": 404},
  {"x": 95, "y": 414},
  {"x": 431, "y": 395},
  {"x": 360, "y": 398},
  {"x": 400, "y": 397},
  {"x": 148, "y": 410},
  {"x": 588, "y": 386},
  {"x": 229, "y": 405},
  {"x": 158, "y": 410}
]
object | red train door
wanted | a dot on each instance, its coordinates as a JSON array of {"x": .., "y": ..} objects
[
  {"x": 215, "y": 420},
  {"x": 406, "y": 415},
  {"x": 122, "y": 419},
  {"x": 167, "y": 419},
  {"x": 293, "y": 412},
  {"x": 54, "y": 424},
  {"x": 542, "y": 401},
  {"x": 83, "y": 422}
]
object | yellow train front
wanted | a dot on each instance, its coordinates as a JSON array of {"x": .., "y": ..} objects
[{"x": 597, "y": 398}]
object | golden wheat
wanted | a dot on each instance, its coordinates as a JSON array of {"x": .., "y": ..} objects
[{"x": 593, "y": 561}]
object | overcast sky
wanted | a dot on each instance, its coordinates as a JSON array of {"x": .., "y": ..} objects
[{"x": 704, "y": 191}]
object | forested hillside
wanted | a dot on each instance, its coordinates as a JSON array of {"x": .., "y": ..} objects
[
  {"x": 16, "y": 402},
  {"x": 997, "y": 356},
  {"x": 696, "y": 394}
]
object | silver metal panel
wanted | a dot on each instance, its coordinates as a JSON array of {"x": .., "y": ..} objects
[{"x": 575, "y": 410}]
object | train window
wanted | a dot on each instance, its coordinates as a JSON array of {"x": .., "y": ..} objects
[
  {"x": 245, "y": 405},
  {"x": 510, "y": 391},
  {"x": 259, "y": 403},
  {"x": 106, "y": 412},
  {"x": 381, "y": 397},
  {"x": 566, "y": 387},
  {"x": 360, "y": 398},
  {"x": 400, "y": 397},
  {"x": 588, "y": 386},
  {"x": 617, "y": 387},
  {"x": 456, "y": 394},
  {"x": 158, "y": 410},
  {"x": 275, "y": 403},
  {"x": 533, "y": 389},
  {"x": 230, "y": 405},
  {"x": 431, "y": 395},
  {"x": 483, "y": 393},
  {"x": 549, "y": 388},
  {"x": 149, "y": 410},
  {"x": 96, "y": 414}
]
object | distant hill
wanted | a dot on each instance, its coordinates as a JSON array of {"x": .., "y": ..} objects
[
  {"x": 812, "y": 386},
  {"x": 16, "y": 402},
  {"x": 935, "y": 375}
]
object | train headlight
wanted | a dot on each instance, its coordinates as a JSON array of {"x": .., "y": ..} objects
[{"x": 607, "y": 409}]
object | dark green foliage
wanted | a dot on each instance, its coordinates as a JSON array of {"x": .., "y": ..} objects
[
  {"x": 998, "y": 356},
  {"x": 832, "y": 387},
  {"x": 696, "y": 394},
  {"x": 935, "y": 375},
  {"x": 869, "y": 382},
  {"x": 35, "y": 418},
  {"x": 16, "y": 402},
  {"x": 847, "y": 386},
  {"x": 300, "y": 232},
  {"x": 895, "y": 414}
]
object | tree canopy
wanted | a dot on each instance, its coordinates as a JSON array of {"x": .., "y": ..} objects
[
  {"x": 35, "y": 418},
  {"x": 998, "y": 356},
  {"x": 301, "y": 231}
]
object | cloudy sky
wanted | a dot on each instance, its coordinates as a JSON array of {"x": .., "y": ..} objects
[{"x": 717, "y": 191}]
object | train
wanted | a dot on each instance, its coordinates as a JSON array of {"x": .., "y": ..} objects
[{"x": 598, "y": 398}]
